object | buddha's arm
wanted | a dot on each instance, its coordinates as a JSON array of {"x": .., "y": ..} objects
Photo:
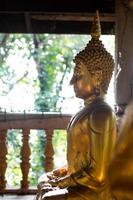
[{"x": 103, "y": 136}]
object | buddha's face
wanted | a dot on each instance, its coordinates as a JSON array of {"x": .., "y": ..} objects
[{"x": 82, "y": 81}]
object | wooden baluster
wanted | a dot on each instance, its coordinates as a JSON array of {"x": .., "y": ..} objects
[
  {"x": 49, "y": 151},
  {"x": 3, "y": 163},
  {"x": 25, "y": 157}
]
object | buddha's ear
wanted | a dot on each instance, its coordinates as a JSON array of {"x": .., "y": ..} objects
[{"x": 97, "y": 77}]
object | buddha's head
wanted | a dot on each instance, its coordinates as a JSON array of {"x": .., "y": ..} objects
[{"x": 93, "y": 67}]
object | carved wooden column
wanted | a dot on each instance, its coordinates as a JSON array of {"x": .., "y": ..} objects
[
  {"x": 49, "y": 151},
  {"x": 3, "y": 163},
  {"x": 25, "y": 157}
]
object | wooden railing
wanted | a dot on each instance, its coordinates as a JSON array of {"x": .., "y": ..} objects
[{"x": 26, "y": 122}]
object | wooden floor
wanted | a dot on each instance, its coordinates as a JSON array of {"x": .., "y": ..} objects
[{"x": 17, "y": 197}]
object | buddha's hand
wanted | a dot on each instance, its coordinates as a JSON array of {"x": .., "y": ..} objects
[
  {"x": 44, "y": 179},
  {"x": 62, "y": 182},
  {"x": 48, "y": 187}
]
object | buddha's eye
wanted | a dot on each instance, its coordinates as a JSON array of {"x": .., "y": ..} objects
[
  {"x": 77, "y": 76},
  {"x": 77, "y": 73}
]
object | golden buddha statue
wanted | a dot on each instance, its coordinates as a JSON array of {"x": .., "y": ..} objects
[{"x": 91, "y": 132}]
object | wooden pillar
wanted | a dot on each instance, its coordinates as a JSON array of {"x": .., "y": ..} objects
[
  {"x": 124, "y": 55},
  {"x": 3, "y": 163},
  {"x": 25, "y": 157},
  {"x": 49, "y": 151}
]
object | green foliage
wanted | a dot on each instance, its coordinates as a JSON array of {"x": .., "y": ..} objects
[
  {"x": 37, "y": 143},
  {"x": 54, "y": 63},
  {"x": 60, "y": 144},
  {"x": 13, "y": 173}
]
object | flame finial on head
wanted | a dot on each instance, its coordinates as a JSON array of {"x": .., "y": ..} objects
[{"x": 96, "y": 27}]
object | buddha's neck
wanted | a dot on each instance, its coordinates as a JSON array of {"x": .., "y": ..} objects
[{"x": 91, "y": 99}]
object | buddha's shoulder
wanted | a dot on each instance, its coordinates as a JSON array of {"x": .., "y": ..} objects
[{"x": 101, "y": 111}]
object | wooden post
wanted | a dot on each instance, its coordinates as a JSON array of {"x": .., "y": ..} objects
[
  {"x": 25, "y": 157},
  {"x": 3, "y": 163},
  {"x": 49, "y": 151},
  {"x": 124, "y": 55}
]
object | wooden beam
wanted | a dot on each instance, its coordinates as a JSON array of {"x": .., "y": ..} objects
[
  {"x": 55, "y": 23},
  {"x": 34, "y": 121},
  {"x": 60, "y": 16}
]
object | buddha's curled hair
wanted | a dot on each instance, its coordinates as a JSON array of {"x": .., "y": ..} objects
[{"x": 95, "y": 57}]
